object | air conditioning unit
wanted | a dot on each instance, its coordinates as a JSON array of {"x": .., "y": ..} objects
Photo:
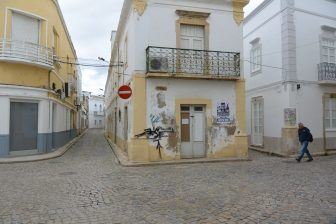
[{"x": 158, "y": 64}]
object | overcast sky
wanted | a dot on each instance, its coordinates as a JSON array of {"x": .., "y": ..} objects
[{"x": 90, "y": 23}]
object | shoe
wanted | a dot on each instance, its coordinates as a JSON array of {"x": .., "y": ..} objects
[
  {"x": 309, "y": 160},
  {"x": 298, "y": 160}
]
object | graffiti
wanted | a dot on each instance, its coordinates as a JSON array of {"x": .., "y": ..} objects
[
  {"x": 223, "y": 113},
  {"x": 154, "y": 119},
  {"x": 290, "y": 116},
  {"x": 156, "y": 135}
]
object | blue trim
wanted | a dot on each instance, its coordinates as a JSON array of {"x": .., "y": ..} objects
[
  {"x": 44, "y": 142},
  {"x": 59, "y": 139},
  {"x": 4, "y": 145}
]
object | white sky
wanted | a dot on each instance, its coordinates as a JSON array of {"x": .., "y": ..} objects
[{"x": 90, "y": 23}]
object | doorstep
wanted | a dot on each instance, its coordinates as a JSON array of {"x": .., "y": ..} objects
[
  {"x": 33, "y": 158},
  {"x": 123, "y": 160}
]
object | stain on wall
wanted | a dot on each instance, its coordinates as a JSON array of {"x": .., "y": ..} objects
[
  {"x": 161, "y": 101},
  {"x": 221, "y": 135}
]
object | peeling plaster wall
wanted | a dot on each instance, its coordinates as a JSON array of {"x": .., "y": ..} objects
[{"x": 161, "y": 110}]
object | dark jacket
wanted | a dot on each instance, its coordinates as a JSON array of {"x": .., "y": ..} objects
[{"x": 304, "y": 134}]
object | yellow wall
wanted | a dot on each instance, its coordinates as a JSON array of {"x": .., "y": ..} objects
[
  {"x": 30, "y": 75},
  {"x": 23, "y": 75}
]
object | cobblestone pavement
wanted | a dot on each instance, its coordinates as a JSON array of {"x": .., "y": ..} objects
[{"x": 87, "y": 186}]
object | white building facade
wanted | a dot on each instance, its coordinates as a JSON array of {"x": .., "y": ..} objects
[
  {"x": 289, "y": 48},
  {"x": 185, "y": 74},
  {"x": 96, "y": 112}
]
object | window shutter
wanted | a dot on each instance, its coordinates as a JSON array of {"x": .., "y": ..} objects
[{"x": 25, "y": 28}]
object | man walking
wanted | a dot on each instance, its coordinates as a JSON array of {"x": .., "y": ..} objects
[{"x": 304, "y": 137}]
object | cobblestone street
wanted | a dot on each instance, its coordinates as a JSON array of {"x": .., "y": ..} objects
[{"x": 87, "y": 186}]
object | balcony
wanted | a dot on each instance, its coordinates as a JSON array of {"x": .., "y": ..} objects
[
  {"x": 327, "y": 73},
  {"x": 99, "y": 113},
  {"x": 187, "y": 63},
  {"x": 25, "y": 52}
]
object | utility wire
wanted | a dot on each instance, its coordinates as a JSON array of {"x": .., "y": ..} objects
[
  {"x": 89, "y": 65},
  {"x": 294, "y": 48}
]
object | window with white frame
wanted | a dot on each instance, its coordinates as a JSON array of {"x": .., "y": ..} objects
[
  {"x": 126, "y": 51},
  {"x": 330, "y": 113},
  {"x": 192, "y": 37},
  {"x": 328, "y": 50},
  {"x": 55, "y": 42},
  {"x": 25, "y": 28},
  {"x": 255, "y": 56}
]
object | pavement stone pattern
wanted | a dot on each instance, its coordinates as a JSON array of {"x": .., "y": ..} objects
[{"x": 87, "y": 186}]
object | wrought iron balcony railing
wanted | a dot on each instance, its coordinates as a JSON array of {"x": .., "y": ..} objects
[
  {"x": 26, "y": 52},
  {"x": 327, "y": 72},
  {"x": 198, "y": 62},
  {"x": 99, "y": 113}
]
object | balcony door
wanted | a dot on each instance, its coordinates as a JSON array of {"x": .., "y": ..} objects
[
  {"x": 328, "y": 50},
  {"x": 192, "y": 37},
  {"x": 25, "y": 28},
  {"x": 257, "y": 121},
  {"x": 25, "y": 37}
]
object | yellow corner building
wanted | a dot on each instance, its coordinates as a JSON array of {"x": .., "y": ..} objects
[{"x": 38, "y": 78}]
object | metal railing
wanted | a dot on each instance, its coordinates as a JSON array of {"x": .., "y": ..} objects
[
  {"x": 99, "y": 113},
  {"x": 327, "y": 71},
  {"x": 188, "y": 61},
  {"x": 26, "y": 52}
]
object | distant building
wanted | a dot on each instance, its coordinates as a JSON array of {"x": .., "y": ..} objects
[
  {"x": 39, "y": 82},
  {"x": 182, "y": 61},
  {"x": 290, "y": 75},
  {"x": 84, "y": 123},
  {"x": 97, "y": 111}
]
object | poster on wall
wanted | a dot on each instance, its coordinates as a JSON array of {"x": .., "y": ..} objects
[
  {"x": 223, "y": 113},
  {"x": 290, "y": 116}
]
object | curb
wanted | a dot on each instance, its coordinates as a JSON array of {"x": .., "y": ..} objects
[
  {"x": 318, "y": 154},
  {"x": 34, "y": 158},
  {"x": 122, "y": 160}
]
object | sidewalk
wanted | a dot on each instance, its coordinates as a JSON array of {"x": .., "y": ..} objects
[
  {"x": 123, "y": 160},
  {"x": 33, "y": 158}
]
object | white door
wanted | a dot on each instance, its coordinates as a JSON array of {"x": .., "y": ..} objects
[
  {"x": 192, "y": 37},
  {"x": 192, "y": 131},
  {"x": 257, "y": 121},
  {"x": 330, "y": 123}
]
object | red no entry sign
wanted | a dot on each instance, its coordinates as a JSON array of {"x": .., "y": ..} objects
[{"x": 125, "y": 92}]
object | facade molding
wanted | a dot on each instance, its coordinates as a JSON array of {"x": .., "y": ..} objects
[
  {"x": 140, "y": 6},
  {"x": 278, "y": 83},
  {"x": 288, "y": 42},
  {"x": 238, "y": 10}
]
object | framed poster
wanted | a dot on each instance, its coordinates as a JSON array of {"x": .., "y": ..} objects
[
  {"x": 223, "y": 113},
  {"x": 290, "y": 116}
]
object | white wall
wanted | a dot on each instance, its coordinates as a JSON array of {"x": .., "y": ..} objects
[
  {"x": 308, "y": 37},
  {"x": 267, "y": 26},
  {"x": 5, "y": 113},
  {"x": 215, "y": 91},
  {"x": 309, "y": 16},
  {"x": 45, "y": 110}
]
